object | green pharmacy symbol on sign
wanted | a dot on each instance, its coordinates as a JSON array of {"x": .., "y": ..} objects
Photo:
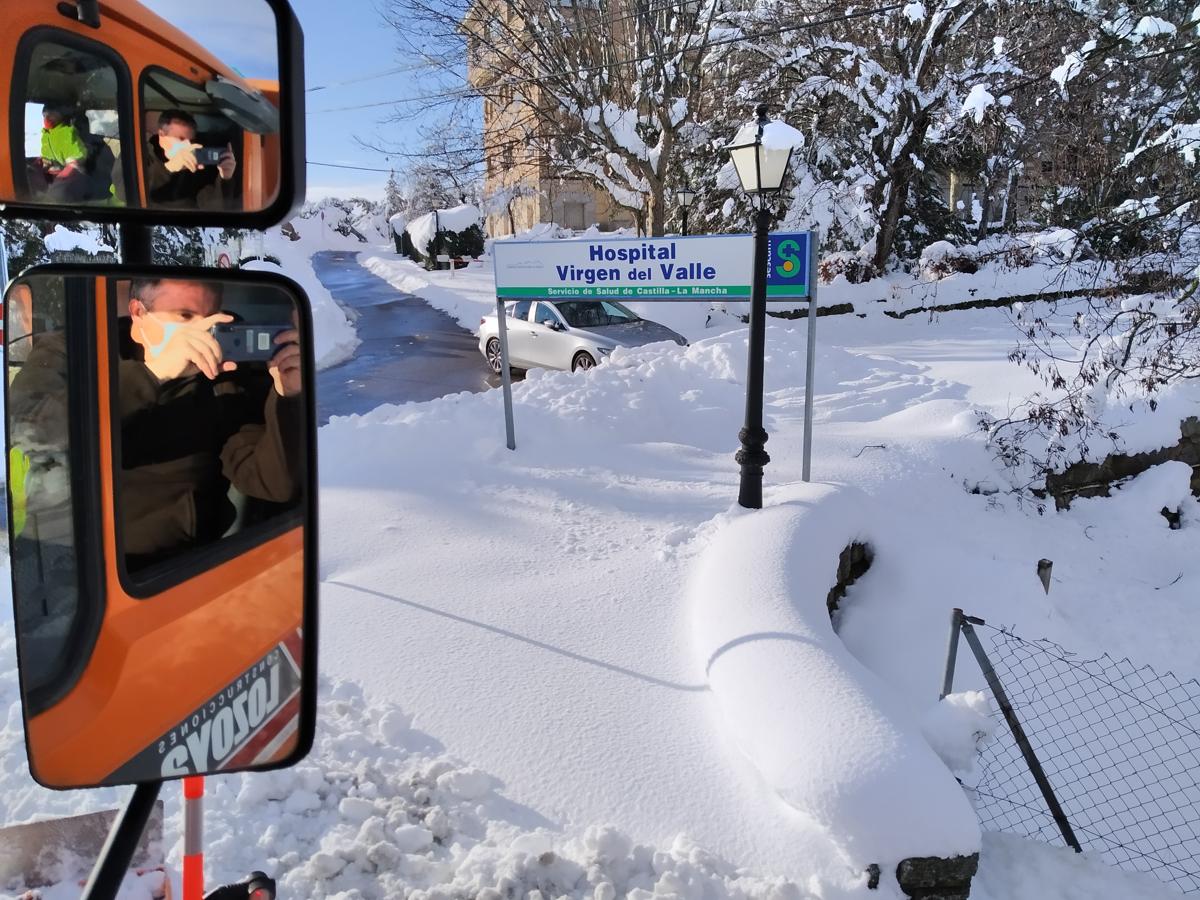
[{"x": 788, "y": 271}]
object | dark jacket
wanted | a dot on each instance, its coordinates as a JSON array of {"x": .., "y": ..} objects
[
  {"x": 202, "y": 189},
  {"x": 182, "y": 444}
]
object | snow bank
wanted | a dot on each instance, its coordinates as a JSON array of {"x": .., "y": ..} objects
[
  {"x": 818, "y": 726},
  {"x": 333, "y": 334}
]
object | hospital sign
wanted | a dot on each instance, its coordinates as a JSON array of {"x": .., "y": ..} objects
[{"x": 708, "y": 267}]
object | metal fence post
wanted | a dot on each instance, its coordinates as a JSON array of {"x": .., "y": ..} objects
[
  {"x": 1014, "y": 725},
  {"x": 956, "y": 621}
]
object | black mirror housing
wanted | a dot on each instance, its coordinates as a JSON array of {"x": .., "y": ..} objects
[
  {"x": 198, "y": 630},
  {"x": 266, "y": 134}
]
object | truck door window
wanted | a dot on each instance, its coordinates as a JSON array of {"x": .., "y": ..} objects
[
  {"x": 209, "y": 451},
  {"x": 193, "y": 152},
  {"x": 53, "y": 621},
  {"x": 75, "y": 101}
]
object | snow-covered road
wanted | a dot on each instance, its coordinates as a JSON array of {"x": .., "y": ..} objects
[{"x": 409, "y": 351}]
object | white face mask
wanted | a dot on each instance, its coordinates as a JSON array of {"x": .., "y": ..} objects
[{"x": 168, "y": 328}]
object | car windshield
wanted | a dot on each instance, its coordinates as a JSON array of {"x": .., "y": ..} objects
[{"x": 594, "y": 313}]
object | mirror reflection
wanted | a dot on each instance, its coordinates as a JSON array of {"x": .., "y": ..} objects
[
  {"x": 209, "y": 391},
  {"x": 203, "y": 79},
  {"x": 158, "y": 572}
]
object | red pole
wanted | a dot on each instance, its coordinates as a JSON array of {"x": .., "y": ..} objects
[{"x": 193, "y": 838}]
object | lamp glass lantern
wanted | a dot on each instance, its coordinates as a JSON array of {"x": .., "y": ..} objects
[
  {"x": 685, "y": 196},
  {"x": 760, "y": 168}
]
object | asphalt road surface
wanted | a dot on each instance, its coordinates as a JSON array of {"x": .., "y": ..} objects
[{"x": 409, "y": 351}]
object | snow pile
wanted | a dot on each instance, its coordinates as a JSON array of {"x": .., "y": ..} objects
[
  {"x": 398, "y": 223},
  {"x": 958, "y": 728},
  {"x": 151, "y": 885},
  {"x": 378, "y": 812},
  {"x": 942, "y": 258},
  {"x": 1140, "y": 501},
  {"x": 424, "y": 228},
  {"x": 333, "y": 334},
  {"x": 820, "y": 728},
  {"x": 63, "y": 240},
  {"x": 1014, "y": 869}
]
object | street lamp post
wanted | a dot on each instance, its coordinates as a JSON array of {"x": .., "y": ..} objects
[
  {"x": 761, "y": 167},
  {"x": 686, "y": 197}
]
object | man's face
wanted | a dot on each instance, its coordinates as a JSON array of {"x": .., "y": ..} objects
[
  {"x": 174, "y": 132},
  {"x": 175, "y": 301},
  {"x": 51, "y": 118}
]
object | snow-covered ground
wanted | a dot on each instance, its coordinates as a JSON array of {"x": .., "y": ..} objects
[{"x": 579, "y": 668}]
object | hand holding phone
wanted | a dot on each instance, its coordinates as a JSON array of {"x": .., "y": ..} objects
[
  {"x": 248, "y": 343},
  {"x": 209, "y": 156}
]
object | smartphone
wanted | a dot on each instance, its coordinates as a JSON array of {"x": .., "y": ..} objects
[
  {"x": 209, "y": 156},
  {"x": 248, "y": 343}
]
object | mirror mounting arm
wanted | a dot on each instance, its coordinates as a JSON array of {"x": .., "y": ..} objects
[
  {"x": 85, "y": 11},
  {"x": 122, "y": 843},
  {"x": 136, "y": 248}
]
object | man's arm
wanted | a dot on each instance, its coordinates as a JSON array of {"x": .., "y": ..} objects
[{"x": 264, "y": 460}]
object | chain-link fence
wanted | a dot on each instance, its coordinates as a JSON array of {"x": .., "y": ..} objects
[{"x": 1115, "y": 746}]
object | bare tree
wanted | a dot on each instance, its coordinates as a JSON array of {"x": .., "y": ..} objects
[
  {"x": 1141, "y": 219},
  {"x": 596, "y": 90}
]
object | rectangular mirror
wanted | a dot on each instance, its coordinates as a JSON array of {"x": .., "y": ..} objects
[
  {"x": 165, "y": 111},
  {"x": 161, "y": 481}
]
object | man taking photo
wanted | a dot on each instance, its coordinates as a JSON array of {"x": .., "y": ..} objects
[{"x": 176, "y": 179}]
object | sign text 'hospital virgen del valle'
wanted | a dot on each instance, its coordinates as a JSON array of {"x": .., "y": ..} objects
[{"x": 711, "y": 266}]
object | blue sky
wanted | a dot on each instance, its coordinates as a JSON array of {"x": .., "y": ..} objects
[{"x": 344, "y": 40}]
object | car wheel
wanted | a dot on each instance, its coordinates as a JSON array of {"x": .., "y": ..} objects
[
  {"x": 493, "y": 355},
  {"x": 582, "y": 361}
]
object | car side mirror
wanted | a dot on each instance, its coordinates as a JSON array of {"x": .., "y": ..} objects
[
  {"x": 169, "y": 115},
  {"x": 162, "y": 501},
  {"x": 555, "y": 326}
]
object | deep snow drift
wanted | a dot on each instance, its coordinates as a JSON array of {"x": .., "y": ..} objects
[{"x": 516, "y": 695}]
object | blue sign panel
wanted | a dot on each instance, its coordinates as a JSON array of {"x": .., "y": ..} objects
[{"x": 787, "y": 264}]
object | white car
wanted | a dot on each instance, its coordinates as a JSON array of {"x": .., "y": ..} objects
[{"x": 567, "y": 334}]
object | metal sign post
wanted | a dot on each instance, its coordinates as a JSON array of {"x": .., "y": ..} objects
[
  {"x": 810, "y": 363},
  {"x": 648, "y": 269},
  {"x": 505, "y": 375}
]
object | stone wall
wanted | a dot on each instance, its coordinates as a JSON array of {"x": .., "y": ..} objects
[
  {"x": 1096, "y": 479},
  {"x": 934, "y": 878}
]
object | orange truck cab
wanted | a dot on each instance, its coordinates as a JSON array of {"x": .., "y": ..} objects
[
  {"x": 108, "y": 85},
  {"x": 211, "y": 642}
]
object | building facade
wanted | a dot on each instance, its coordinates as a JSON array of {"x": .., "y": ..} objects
[{"x": 523, "y": 185}]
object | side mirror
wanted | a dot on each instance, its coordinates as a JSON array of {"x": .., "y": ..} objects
[
  {"x": 555, "y": 326},
  {"x": 162, "y": 510},
  {"x": 153, "y": 112}
]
